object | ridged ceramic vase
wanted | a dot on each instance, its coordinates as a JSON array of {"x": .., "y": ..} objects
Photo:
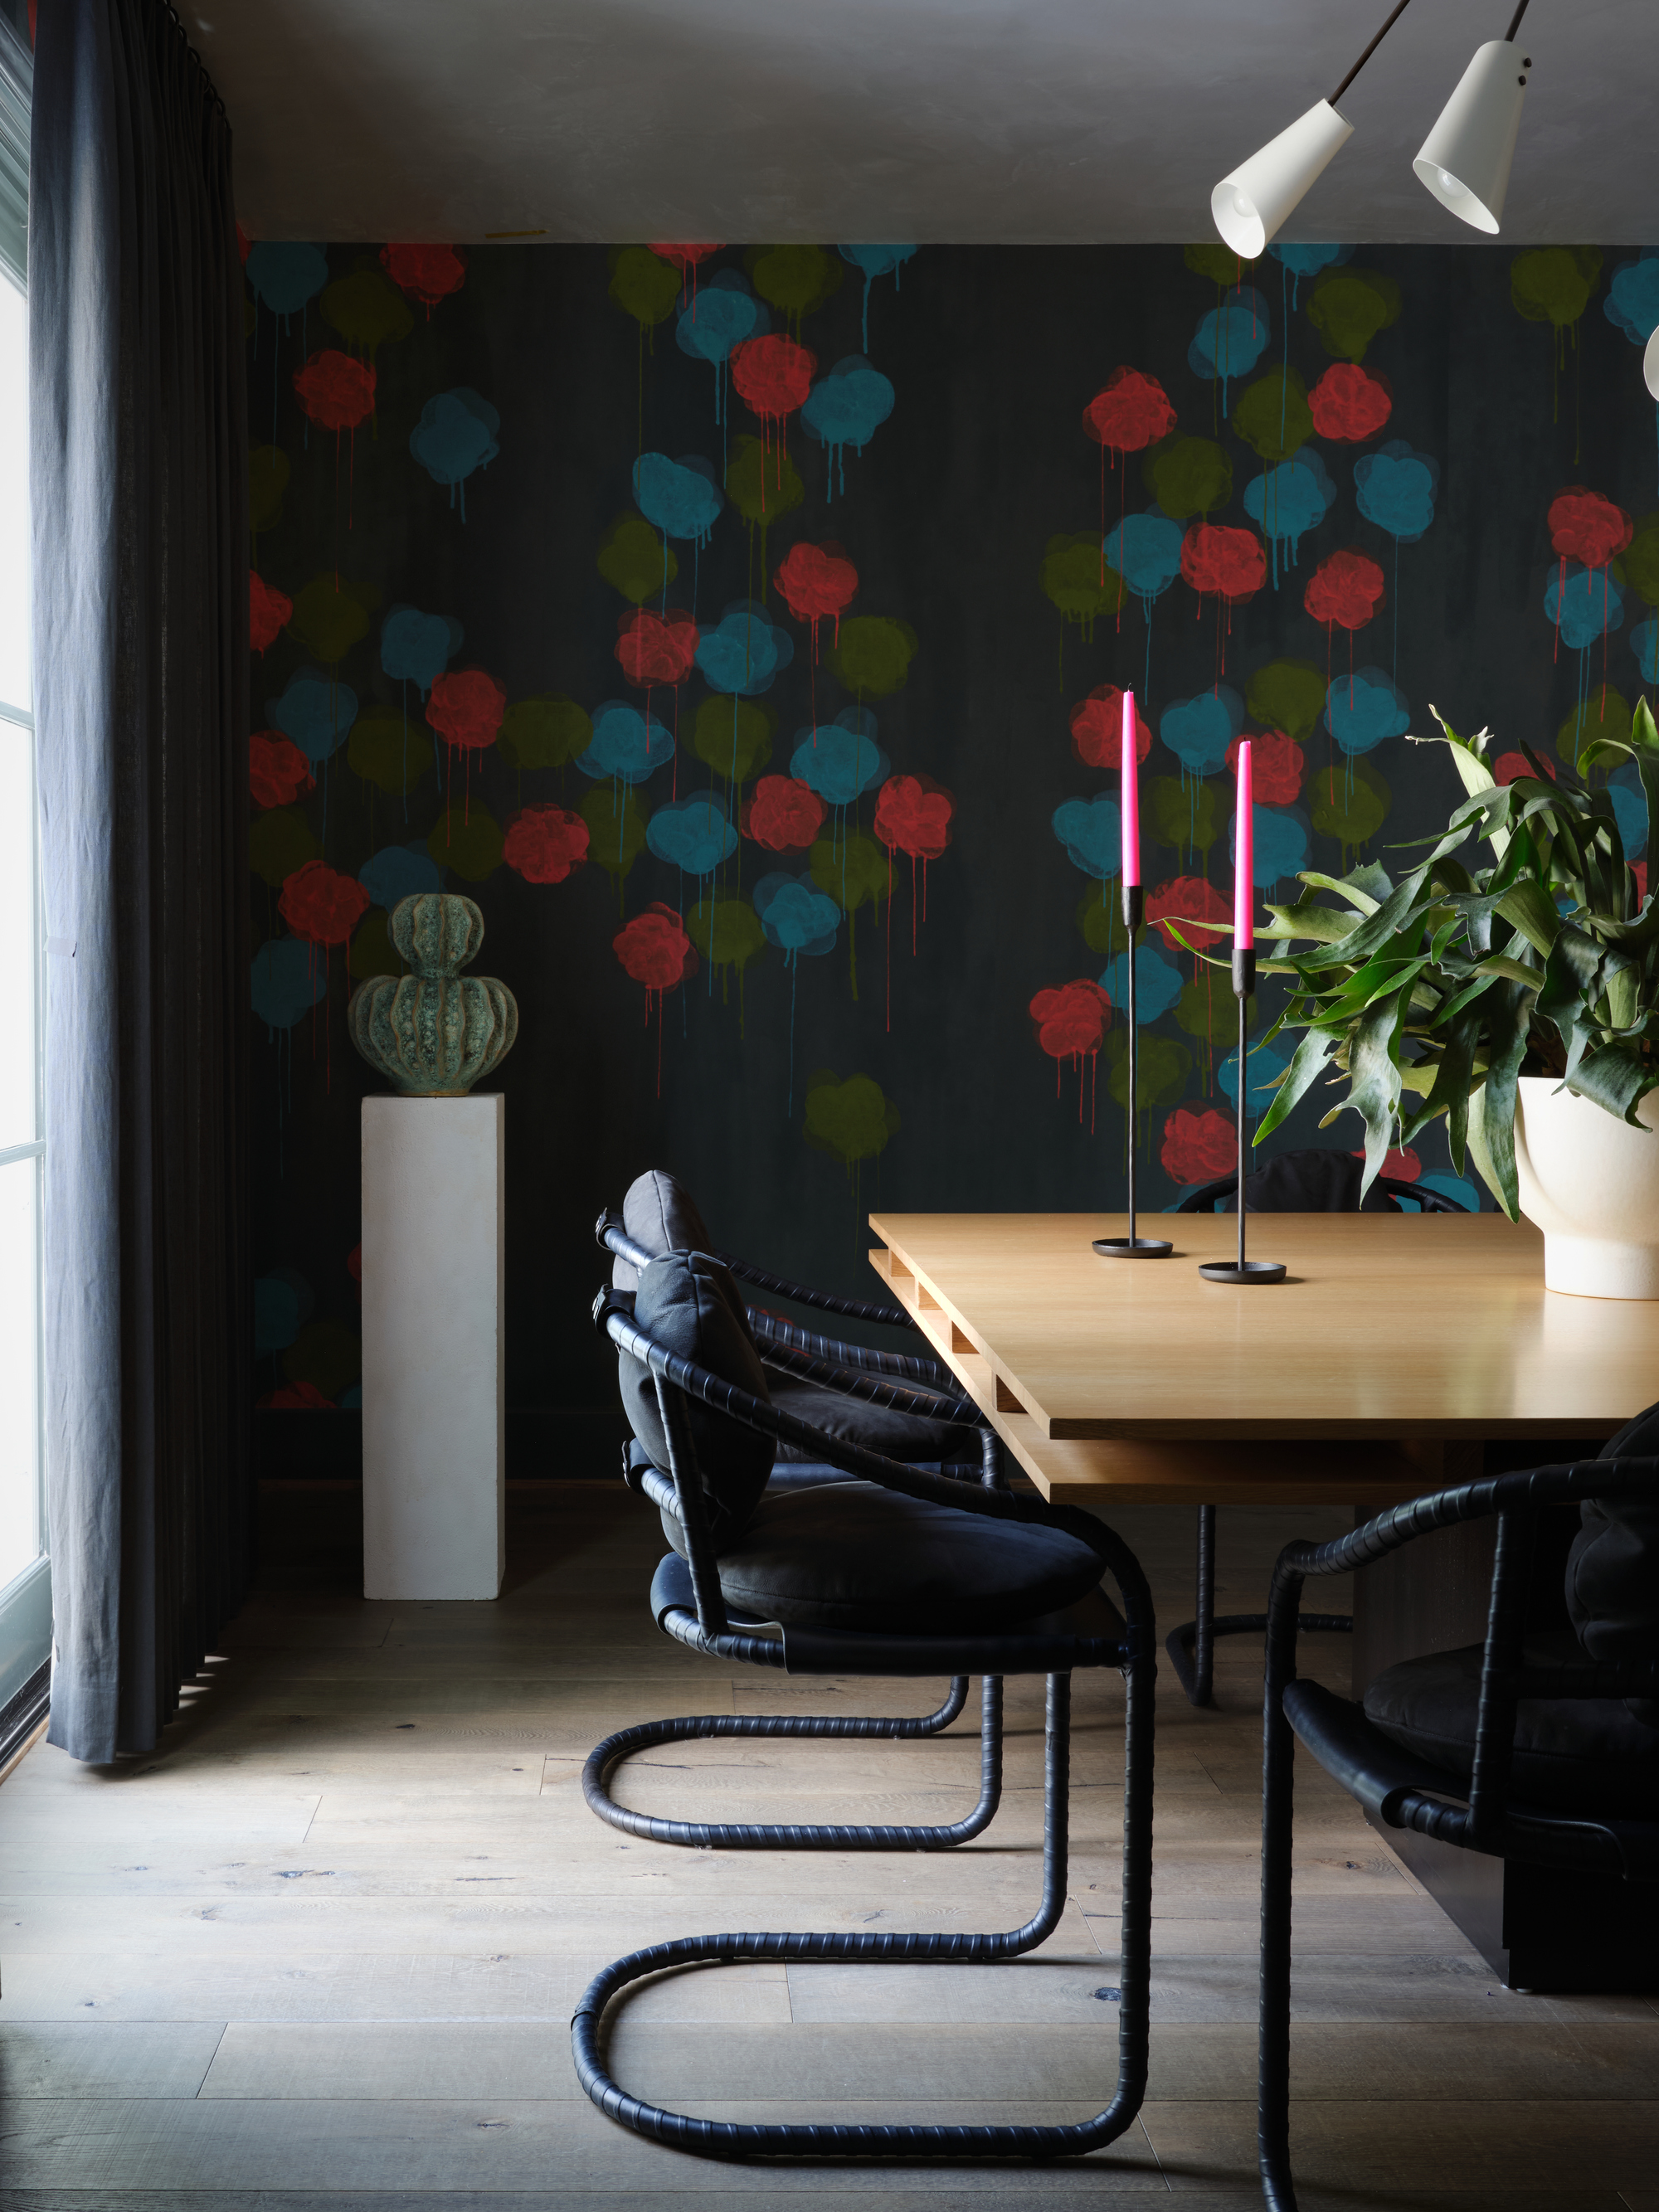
[
  {"x": 435, "y": 1033},
  {"x": 1591, "y": 1183}
]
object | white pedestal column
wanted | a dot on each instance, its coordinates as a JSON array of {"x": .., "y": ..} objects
[{"x": 433, "y": 1390}]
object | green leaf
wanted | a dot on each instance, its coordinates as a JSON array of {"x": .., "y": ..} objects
[
  {"x": 1615, "y": 1077},
  {"x": 1499, "y": 963},
  {"x": 1307, "y": 918},
  {"x": 1377, "y": 928},
  {"x": 1570, "y": 988},
  {"x": 1374, "y": 1081},
  {"x": 1529, "y": 908},
  {"x": 1365, "y": 896},
  {"x": 1311, "y": 1057},
  {"x": 1509, "y": 1014},
  {"x": 1450, "y": 1094}
]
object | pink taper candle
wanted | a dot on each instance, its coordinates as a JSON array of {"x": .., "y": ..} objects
[
  {"x": 1244, "y": 858},
  {"x": 1131, "y": 797}
]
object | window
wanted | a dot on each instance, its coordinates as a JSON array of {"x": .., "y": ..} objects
[{"x": 25, "y": 1598}]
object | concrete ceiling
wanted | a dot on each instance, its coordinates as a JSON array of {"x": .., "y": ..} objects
[{"x": 1069, "y": 121}]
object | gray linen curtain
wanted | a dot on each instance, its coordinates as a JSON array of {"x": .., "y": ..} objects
[{"x": 138, "y": 464}]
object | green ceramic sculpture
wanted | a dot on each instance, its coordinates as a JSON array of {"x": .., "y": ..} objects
[{"x": 435, "y": 1033}]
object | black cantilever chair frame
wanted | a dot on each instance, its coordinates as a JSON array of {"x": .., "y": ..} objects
[
  {"x": 691, "y": 1607},
  {"x": 883, "y": 1378},
  {"x": 1402, "y": 1790},
  {"x": 1191, "y": 1644}
]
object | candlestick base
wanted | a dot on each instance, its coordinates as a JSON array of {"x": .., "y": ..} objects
[
  {"x": 1251, "y": 1271},
  {"x": 1132, "y": 1248}
]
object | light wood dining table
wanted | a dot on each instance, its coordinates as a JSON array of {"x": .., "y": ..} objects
[{"x": 1397, "y": 1351}]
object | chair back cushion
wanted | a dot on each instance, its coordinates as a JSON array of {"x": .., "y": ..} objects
[
  {"x": 1613, "y": 1569},
  {"x": 1313, "y": 1180},
  {"x": 689, "y": 1303},
  {"x": 661, "y": 1214}
]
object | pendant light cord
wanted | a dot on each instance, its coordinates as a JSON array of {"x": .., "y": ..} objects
[
  {"x": 1377, "y": 41},
  {"x": 1508, "y": 35}
]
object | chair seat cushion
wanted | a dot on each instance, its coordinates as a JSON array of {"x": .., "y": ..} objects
[
  {"x": 1581, "y": 1754},
  {"x": 853, "y": 1555},
  {"x": 908, "y": 1437}
]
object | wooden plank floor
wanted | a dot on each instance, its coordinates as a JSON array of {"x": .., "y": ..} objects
[{"x": 321, "y": 1950}]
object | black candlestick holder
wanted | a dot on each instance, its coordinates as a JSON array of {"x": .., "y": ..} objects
[
  {"x": 1132, "y": 1247},
  {"x": 1240, "y": 1270}
]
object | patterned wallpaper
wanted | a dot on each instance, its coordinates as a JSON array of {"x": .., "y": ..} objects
[{"x": 745, "y": 628}]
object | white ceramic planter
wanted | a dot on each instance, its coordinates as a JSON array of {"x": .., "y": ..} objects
[{"x": 1591, "y": 1183}]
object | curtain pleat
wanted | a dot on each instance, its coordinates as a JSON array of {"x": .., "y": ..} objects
[{"x": 138, "y": 470}]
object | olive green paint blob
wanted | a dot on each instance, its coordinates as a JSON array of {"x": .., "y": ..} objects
[
  {"x": 1188, "y": 476},
  {"x": 1161, "y": 1075},
  {"x": 268, "y": 472},
  {"x": 762, "y": 482},
  {"x": 386, "y": 747},
  {"x": 853, "y": 870},
  {"x": 1206, "y": 1008},
  {"x": 643, "y": 285},
  {"x": 852, "y": 1121},
  {"x": 1605, "y": 716},
  {"x": 1638, "y": 564},
  {"x": 734, "y": 737},
  {"x": 466, "y": 837},
  {"x": 1073, "y": 579},
  {"x": 372, "y": 952},
  {"x": 634, "y": 557},
  {"x": 1348, "y": 306},
  {"x": 1272, "y": 415},
  {"x": 1287, "y": 695},
  {"x": 367, "y": 309},
  {"x": 329, "y": 617},
  {"x": 727, "y": 933},
  {"x": 794, "y": 279},
  {"x": 327, "y": 1355},
  {"x": 1350, "y": 802},
  {"x": 1554, "y": 284},
  {"x": 545, "y": 732},
  {"x": 873, "y": 653},
  {"x": 279, "y": 841},
  {"x": 616, "y": 825},
  {"x": 1099, "y": 921},
  {"x": 1182, "y": 813},
  {"x": 1218, "y": 263}
]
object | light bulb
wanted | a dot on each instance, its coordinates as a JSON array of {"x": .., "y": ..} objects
[
  {"x": 1449, "y": 186},
  {"x": 1241, "y": 206}
]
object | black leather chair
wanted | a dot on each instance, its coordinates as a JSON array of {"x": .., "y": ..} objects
[
  {"x": 1312, "y": 1179},
  {"x": 1543, "y": 1748},
  {"x": 896, "y": 1570},
  {"x": 885, "y": 1402}
]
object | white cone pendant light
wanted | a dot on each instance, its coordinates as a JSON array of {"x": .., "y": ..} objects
[
  {"x": 1465, "y": 161},
  {"x": 1251, "y": 201},
  {"x": 1650, "y": 365}
]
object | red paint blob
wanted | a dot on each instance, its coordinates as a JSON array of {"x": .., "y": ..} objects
[
  {"x": 774, "y": 375},
  {"x": 296, "y": 1398},
  {"x": 1508, "y": 766},
  {"x": 267, "y": 611},
  {"x": 817, "y": 580},
  {"x": 656, "y": 648},
  {"x": 335, "y": 391},
  {"x": 1350, "y": 404},
  {"x": 244, "y": 243},
  {"x": 685, "y": 257},
  {"x": 655, "y": 949},
  {"x": 1346, "y": 588},
  {"x": 1097, "y": 729},
  {"x": 321, "y": 904},
  {"x": 465, "y": 709},
  {"x": 1130, "y": 411},
  {"x": 1199, "y": 1147},
  {"x": 544, "y": 843},
  {"x": 1188, "y": 898},
  {"x": 1585, "y": 526},
  {"x": 1071, "y": 1020},
  {"x": 426, "y": 273},
  {"x": 1231, "y": 563},
  {"x": 1639, "y": 870},
  {"x": 277, "y": 771},
  {"x": 912, "y": 816},
  {"x": 783, "y": 815},
  {"x": 1277, "y": 763}
]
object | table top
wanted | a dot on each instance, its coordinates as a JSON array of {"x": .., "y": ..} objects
[{"x": 1389, "y": 1328}]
